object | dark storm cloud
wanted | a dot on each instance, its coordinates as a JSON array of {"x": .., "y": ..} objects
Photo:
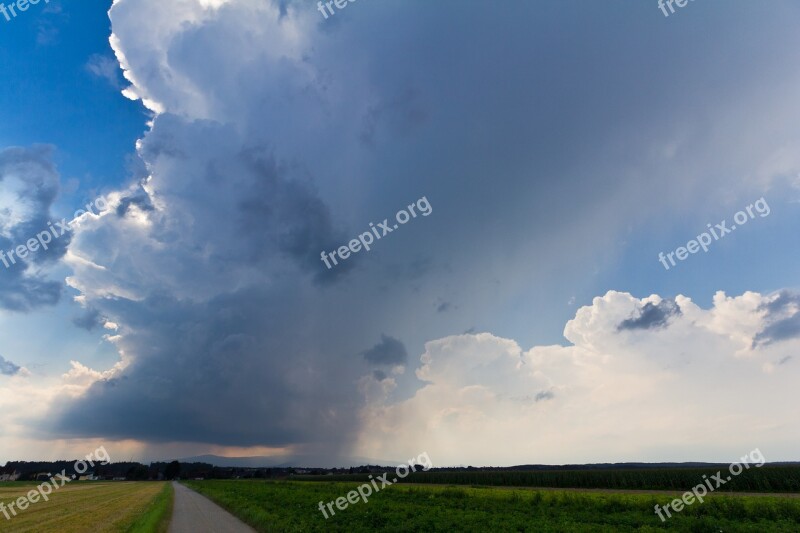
[
  {"x": 231, "y": 341},
  {"x": 216, "y": 373},
  {"x": 273, "y": 206},
  {"x": 782, "y": 319},
  {"x": 21, "y": 290},
  {"x": 652, "y": 316},
  {"x": 389, "y": 351},
  {"x": 7, "y": 368},
  {"x": 301, "y": 223}
]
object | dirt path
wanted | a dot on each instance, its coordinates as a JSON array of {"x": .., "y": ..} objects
[{"x": 194, "y": 513}]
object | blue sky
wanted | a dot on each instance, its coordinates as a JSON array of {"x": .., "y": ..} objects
[
  {"x": 561, "y": 146},
  {"x": 51, "y": 97}
]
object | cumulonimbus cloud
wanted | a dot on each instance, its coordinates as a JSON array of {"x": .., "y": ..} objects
[{"x": 266, "y": 123}]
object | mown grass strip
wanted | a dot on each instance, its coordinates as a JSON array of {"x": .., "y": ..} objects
[{"x": 79, "y": 507}]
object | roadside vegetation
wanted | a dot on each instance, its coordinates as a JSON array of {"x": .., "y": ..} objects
[{"x": 156, "y": 517}]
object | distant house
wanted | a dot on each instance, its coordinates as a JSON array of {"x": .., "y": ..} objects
[
  {"x": 119, "y": 479},
  {"x": 42, "y": 476},
  {"x": 89, "y": 477},
  {"x": 9, "y": 474}
]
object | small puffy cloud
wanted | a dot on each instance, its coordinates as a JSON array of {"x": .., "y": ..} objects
[
  {"x": 652, "y": 316},
  {"x": 544, "y": 395},
  {"x": 81, "y": 375},
  {"x": 388, "y": 352},
  {"x": 105, "y": 68},
  {"x": 7, "y": 368}
]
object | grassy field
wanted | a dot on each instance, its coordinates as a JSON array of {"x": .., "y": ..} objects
[
  {"x": 80, "y": 507},
  {"x": 293, "y": 506}
]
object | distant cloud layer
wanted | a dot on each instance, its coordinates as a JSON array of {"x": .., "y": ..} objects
[{"x": 29, "y": 185}]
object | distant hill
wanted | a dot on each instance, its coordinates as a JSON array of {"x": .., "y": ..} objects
[
  {"x": 297, "y": 461},
  {"x": 631, "y": 466},
  {"x": 310, "y": 461}
]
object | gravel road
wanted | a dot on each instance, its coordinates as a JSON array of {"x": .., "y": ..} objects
[{"x": 194, "y": 513}]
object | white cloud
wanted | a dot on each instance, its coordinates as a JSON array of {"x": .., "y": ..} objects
[
  {"x": 26, "y": 401},
  {"x": 677, "y": 392}
]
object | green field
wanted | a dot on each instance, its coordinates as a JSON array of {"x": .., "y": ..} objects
[
  {"x": 130, "y": 507},
  {"x": 293, "y": 506}
]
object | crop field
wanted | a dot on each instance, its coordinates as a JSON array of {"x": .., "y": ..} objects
[
  {"x": 91, "y": 506},
  {"x": 765, "y": 479},
  {"x": 293, "y": 506}
]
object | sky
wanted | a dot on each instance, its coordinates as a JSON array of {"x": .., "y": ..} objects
[{"x": 543, "y": 303}]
